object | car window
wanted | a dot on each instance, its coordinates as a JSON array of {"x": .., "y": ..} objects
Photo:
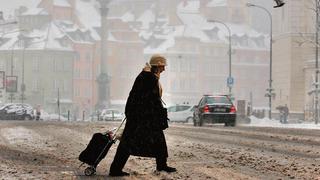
[
  {"x": 172, "y": 109},
  {"x": 183, "y": 108},
  {"x": 218, "y": 99},
  {"x": 116, "y": 112},
  {"x": 202, "y": 102},
  {"x": 108, "y": 112}
]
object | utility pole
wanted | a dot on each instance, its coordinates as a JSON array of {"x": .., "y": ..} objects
[
  {"x": 317, "y": 65},
  {"x": 270, "y": 90},
  {"x": 58, "y": 103},
  {"x": 251, "y": 102},
  {"x": 230, "y": 80}
]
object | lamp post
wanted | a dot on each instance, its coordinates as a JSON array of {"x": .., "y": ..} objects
[
  {"x": 270, "y": 89},
  {"x": 230, "y": 79},
  {"x": 25, "y": 45},
  {"x": 316, "y": 103}
]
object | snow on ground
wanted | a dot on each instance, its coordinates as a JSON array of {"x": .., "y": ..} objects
[
  {"x": 266, "y": 122},
  {"x": 21, "y": 135}
]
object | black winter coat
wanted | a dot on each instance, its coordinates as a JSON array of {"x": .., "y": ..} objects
[{"x": 143, "y": 134}]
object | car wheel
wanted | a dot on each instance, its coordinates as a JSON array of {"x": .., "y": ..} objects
[
  {"x": 194, "y": 121},
  {"x": 201, "y": 121},
  {"x": 189, "y": 119},
  {"x": 27, "y": 117},
  {"x": 230, "y": 124}
]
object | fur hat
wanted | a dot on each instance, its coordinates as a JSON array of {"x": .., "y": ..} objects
[{"x": 158, "y": 60}]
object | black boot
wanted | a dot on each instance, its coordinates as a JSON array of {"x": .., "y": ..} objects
[
  {"x": 162, "y": 165},
  {"x": 167, "y": 169},
  {"x": 119, "y": 161},
  {"x": 120, "y": 173}
]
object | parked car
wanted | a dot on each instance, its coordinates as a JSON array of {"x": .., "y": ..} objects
[
  {"x": 16, "y": 111},
  {"x": 54, "y": 116},
  {"x": 111, "y": 115},
  {"x": 45, "y": 116},
  {"x": 215, "y": 109},
  {"x": 180, "y": 113}
]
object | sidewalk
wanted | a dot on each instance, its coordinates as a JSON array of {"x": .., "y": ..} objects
[{"x": 292, "y": 123}]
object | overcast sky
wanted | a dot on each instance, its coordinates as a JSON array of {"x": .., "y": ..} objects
[{"x": 260, "y": 19}]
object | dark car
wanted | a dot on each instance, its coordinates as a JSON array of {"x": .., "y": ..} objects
[
  {"x": 215, "y": 109},
  {"x": 16, "y": 111}
]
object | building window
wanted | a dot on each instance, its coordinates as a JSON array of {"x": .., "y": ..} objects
[
  {"x": 87, "y": 92},
  {"x": 59, "y": 65},
  {"x": 193, "y": 65},
  {"x": 87, "y": 74},
  {"x": 66, "y": 86},
  {"x": 77, "y": 92},
  {"x": 2, "y": 65},
  {"x": 53, "y": 63},
  {"x": 35, "y": 85},
  {"x": 55, "y": 85},
  {"x": 184, "y": 65},
  {"x": 35, "y": 64},
  {"x": 15, "y": 63},
  {"x": 183, "y": 85},
  {"x": 76, "y": 73},
  {"x": 173, "y": 65},
  {"x": 88, "y": 57},
  {"x": 175, "y": 84},
  {"x": 67, "y": 66},
  {"x": 77, "y": 56}
]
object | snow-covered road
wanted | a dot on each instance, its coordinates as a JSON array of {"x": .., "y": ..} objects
[{"x": 49, "y": 150}]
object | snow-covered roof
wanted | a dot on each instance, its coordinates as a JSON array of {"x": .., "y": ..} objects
[
  {"x": 127, "y": 17},
  {"x": 162, "y": 48},
  {"x": 217, "y": 3},
  {"x": 35, "y": 11},
  {"x": 197, "y": 26},
  {"x": 62, "y": 3},
  {"x": 89, "y": 17},
  {"x": 147, "y": 17},
  {"x": 192, "y": 6},
  {"x": 8, "y": 7},
  {"x": 194, "y": 24},
  {"x": 87, "y": 14},
  {"x": 44, "y": 38}
]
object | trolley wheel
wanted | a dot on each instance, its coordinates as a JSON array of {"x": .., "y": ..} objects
[{"x": 89, "y": 171}]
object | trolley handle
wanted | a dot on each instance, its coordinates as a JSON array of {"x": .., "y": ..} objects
[{"x": 115, "y": 131}]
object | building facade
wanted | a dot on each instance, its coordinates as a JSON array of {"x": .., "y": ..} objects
[{"x": 294, "y": 29}]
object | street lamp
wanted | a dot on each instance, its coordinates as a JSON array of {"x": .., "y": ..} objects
[
  {"x": 12, "y": 48},
  {"x": 317, "y": 65},
  {"x": 230, "y": 79},
  {"x": 25, "y": 45},
  {"x": 280, "y": 3},
  {"x": 270, "y": 89}
]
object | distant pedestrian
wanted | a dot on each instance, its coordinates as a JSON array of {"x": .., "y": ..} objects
[
  {"x": 281, "y": 113},
  {"x": 38, "y": 112},
  {"x": 285, "y": 113},
  {"x": 249, "y": 109},
  {"x": 146, "y": 119}
]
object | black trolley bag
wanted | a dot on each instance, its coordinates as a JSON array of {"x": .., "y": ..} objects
[{"x": 97, "y": 149}]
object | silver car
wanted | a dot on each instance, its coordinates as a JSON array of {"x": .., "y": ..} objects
[
  {"x": 111, "y": 115},
  {"x": 181, "y": 113}
]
